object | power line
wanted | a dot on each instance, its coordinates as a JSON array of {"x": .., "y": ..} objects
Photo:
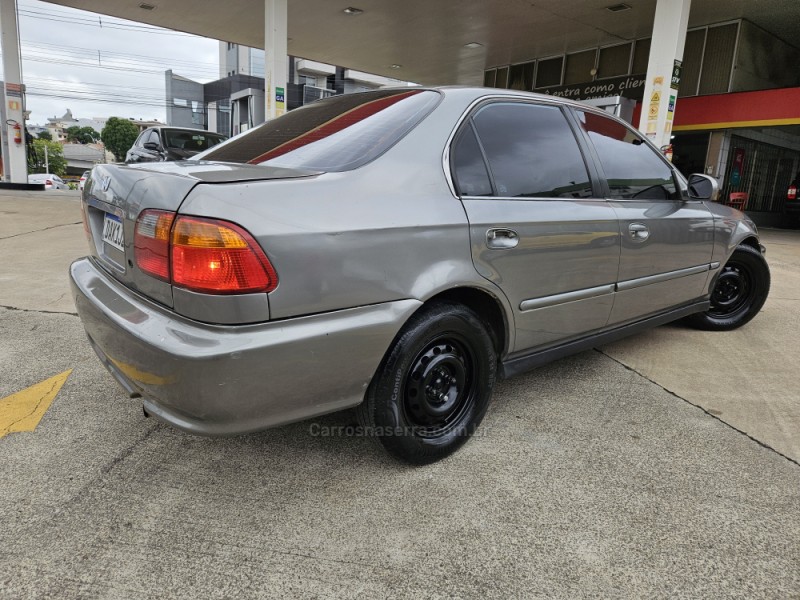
[
  {"x": 93, "y": 51},
  {"x": 96, "y": 22},
  {"x": 88, "y": 16},
  {"x": 45, "y": 80},
  {"x": 119, "y": 67},
  {"x": 116, "y": 101}
]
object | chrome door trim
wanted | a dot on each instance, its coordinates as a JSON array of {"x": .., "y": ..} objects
[
  {"x": 525, "y": 361},
  {"x": 105, "y": 207},
  {"x": 583, "y": 294},
  {"x": 650, "y": 279}
]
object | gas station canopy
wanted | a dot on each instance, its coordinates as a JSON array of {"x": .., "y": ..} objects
[{"x": 426, "y": 41}]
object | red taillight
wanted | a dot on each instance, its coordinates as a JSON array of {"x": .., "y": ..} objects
[
  {"x": 218, "y": 257},
  {"x": 48, "y": 182},
  {"x": 792, "y": 193},
  {"x": 151, "y": 242}
]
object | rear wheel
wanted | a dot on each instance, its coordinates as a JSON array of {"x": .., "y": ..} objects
[
  {"x": 433, "y": 388},
  {"x": 739, "y": 292}
]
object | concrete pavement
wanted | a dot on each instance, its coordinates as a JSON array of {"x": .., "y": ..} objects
[
  {"x": 748, "y": 378},
  {"x": 586, "y": 481},
  {"x": 595, "y": 476},
  {"x": 41, "y": 233}
]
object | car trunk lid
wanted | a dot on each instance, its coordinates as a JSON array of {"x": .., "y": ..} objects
[{"x": 115, "y": 196}]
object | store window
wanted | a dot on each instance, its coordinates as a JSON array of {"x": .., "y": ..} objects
[
  {"x": 614, "y": 61},
  {"x": 718, "y": 59},
  {"x": 548, "y": 72},
  {"x": 692, "y": 61},
  {"x": 579, "y": 67},
  {"x": 502, "y": 77},
  {"x": 521, "y": 76},
  {"x": 641, "y": 55}
]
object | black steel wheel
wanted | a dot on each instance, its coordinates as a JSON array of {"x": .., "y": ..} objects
[
  {"x": 739, "y": 291},
  {"x": 433, "y": 387}
]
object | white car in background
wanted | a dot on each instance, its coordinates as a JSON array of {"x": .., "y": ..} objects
[
  {"x": 84, "y": 177},
  {"x": 50, "y": 181}
]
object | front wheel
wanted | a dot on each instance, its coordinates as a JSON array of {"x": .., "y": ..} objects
[
  {"x": 433, "y": 388},
  {"x": 739, "y": 292}
]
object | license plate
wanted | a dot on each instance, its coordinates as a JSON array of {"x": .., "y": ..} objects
[{"x": 112, "y": 232}]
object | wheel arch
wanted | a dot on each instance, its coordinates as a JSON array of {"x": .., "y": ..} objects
[
  {"x": 751, "y": 241},
  {"x": 489, "y": 308}
]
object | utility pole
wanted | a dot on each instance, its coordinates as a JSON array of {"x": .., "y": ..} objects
[{"x": 46, "y": 159}]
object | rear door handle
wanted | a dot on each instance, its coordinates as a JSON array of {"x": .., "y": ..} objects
[
  {"x": 639, "y": 231},
  {"x": 500, "y": 238}
]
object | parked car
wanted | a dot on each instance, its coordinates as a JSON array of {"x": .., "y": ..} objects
[
  {"x": 792, "y": 205},
  {"x": 82, "y": 182},
  {"x": 397, "y": 251},
  {"x": 50, "y": 181},
  {"x": 158, "y": 144}
]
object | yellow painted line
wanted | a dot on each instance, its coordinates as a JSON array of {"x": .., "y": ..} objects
[
  {"x": 735, "y": 124},
  {"x": 23, "y": 411}
]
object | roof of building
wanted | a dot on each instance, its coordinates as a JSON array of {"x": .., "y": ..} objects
[{"x": 84, "y": 152}]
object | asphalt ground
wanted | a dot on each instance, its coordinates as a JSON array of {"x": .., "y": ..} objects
[{"x": 666, "y": 465}]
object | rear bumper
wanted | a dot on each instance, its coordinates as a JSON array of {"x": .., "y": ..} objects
[{"x": 226, "y": 380}]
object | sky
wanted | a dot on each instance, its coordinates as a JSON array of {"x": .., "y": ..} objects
[{"x": 103, "y": 66}]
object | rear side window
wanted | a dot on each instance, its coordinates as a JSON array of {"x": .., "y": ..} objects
[
  {"x": 632, "y": 168},
  {"x": 336, "y": 134},
  {"x": 469, "y": 168},
  {"x": 189, "y": 140},
  {"x": 532, "y": 151}
]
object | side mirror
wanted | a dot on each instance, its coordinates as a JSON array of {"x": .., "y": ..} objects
[
  {"x": 151, "y": 146},
  {"x": 703, "y": 187}
]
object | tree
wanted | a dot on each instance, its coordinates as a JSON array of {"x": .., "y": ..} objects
[
  {"x": 56, "y": 163},
  {"x": 45, "y": 135},
  {"x": 82, "y": 135},
  {"x": 119, "y": 135}
]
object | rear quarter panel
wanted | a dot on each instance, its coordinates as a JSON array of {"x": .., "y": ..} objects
[{"x": 387, "y": 231}]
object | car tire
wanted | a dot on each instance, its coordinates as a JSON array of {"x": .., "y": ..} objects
[
  {"x": 740, "y": 290},
  {"x": 434, "y": 385}
]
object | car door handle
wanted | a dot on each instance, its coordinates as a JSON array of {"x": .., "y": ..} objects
[
  {"x": 639, "y": 231},
  {"x": 501, "y": 238}
]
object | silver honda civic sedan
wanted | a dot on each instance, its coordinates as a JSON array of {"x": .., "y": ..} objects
[{"x": 397, "y": 251}]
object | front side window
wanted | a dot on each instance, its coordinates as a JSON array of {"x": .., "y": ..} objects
[
  {"x": 632, "y": 168},
  {"x": 335, "y": 134},
  {"x": 532, "y": 151}
]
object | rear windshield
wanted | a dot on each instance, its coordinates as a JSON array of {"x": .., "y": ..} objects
[
  {"x": 335, "y": 134},
  {"x": 190, "y": 140}
]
